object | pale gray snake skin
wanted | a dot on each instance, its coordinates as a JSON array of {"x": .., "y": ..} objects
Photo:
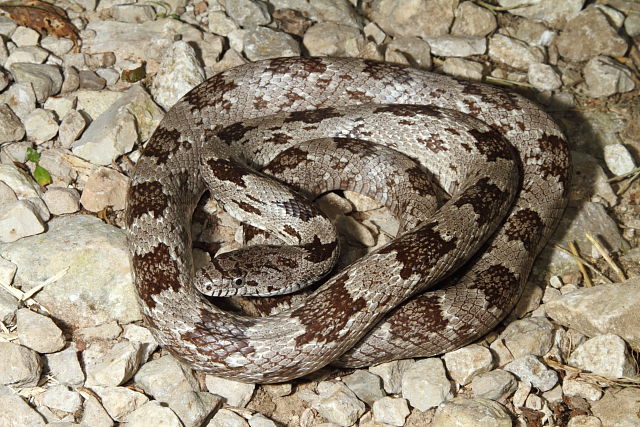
[{"x": 379, "y": 308}]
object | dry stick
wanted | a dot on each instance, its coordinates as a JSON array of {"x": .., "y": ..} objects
[
  {"x": 607, "y": 257},
  {"x": 574, "y": 250},
  {"x": 595, "y": 379},
  {"x": 585, "y": 262}
]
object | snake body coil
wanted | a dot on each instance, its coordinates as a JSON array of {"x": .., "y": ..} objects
[{"x": 380, "y": 308}]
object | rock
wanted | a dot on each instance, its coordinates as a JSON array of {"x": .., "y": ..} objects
[
  {"x": 41, "y": 125},
  {"x": 193, "y": 407},
  {"x": 259, "y": 420},
  {"x": 8, "y": 303},
  {"x": 11, "y": 128},
  {"x": 235, "y": 393},
  {"x": 38, "y": 332},
  {"x": 605, "y": 309},
  {"x": 584, "y": 421},
  {"x": 548, "y": 11},
  {"x": 94, "y": 104},
  {"x": 19, "y": 219},
  {"x": 153, "y": 413},
  {"x": 180, "y": 71},
  {"x": 220, "y": 23},
  {"x": 390, "y": 410},
  {"x": 278, "y": 390},
  {"x": 514, "y": 53},
  {"x": 46, "y": 79},
  {"x": 408, "y": 18},
  {"x": 618, "y": 159},
  {"x": 338, "y": 404},
  {"x": 105, "y": 187},
  {"x": 544, "y": 77},
  {"x": 367, "y": 386},
  {"x": 531, "y": 370},
  {"x": 589, "y": 34},
  {"x": 117, "y": 366},
  {"x": 21, "y": 414},
  {"x": 119, "y": 401},
  {"x": 466, "y": 362},
  {"x": 227, "y": 418},
  {"x": 21, "y": 98},
  {"x": 26, "y": 55},
  {"x": 331, "y": 39},
  {"x": 60, "y": 105},
  {"x": 90, "y": 80},
  {"x": 457, "y": 46},
  {"x": 425, "y": 384},
  {"x": 618, "y": 407},
  {"x": 478, "y": 412},
  {"x": 604, "y": 355},
  {"x": 409, "y": 50},
  {"x": 133, "y": 12},
  {"x": 97, "y": 287},
  {"x": 131, "y": 39},
  {"x": 463, "y": 68},
  {"x": 58, "y": 47},
  {"x": 391, "y": 374},
  {"x": 19, "y": 181},
  {"x": 494, "y": 384},
  {"x": 248, "y": 13},
  {"x": 62, "y": 200},
  {"x": 116, "y": 130},
  {"x": 25, "y": 36},
  {"x": 65, "y": 367},
  {"x": 93, "y": 413},
  {"x": 143, "y": 336},
  {"x": 573, "y": 387},
  {"x": 19, "y": 366},
  {"x": 71, "y": 126},
  {"x": 604, "y": 77},
  {"x": 164, "y": 378},
  {"x": 533, "y": 335},
  {"x": 61, "y": 398},
  {"x": 632, "y": 24},
  {"x": 473, "y": 20},
  {"x": 264, "y": 43}
]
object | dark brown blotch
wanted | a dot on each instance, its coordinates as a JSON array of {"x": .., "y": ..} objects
[
  {"x": 156, "y": 271},
  {"x": 165, "y": 143},
  {"x": 485, "y": 199},
  {"x": 145, "y": 198},
  {"x": 327, "y": 322},
  {"x": 312, "y": 116},
  {"x": 492, "y": 145},
  {"x": 228, "y": 171},
  {"x": 525, "y": 226},
  {"x": 318, "y": 251},
  {"x": 234, "y": 132},
  {"x": 419, "y": 251}
]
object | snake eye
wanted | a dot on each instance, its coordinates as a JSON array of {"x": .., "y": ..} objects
[{"x": 238, "y": 282}]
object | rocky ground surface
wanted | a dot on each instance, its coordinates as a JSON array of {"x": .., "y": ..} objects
[{"x": 76, "y": 110}]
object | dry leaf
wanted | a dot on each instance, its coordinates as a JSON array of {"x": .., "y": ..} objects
[{"x": 45, "y": 18}]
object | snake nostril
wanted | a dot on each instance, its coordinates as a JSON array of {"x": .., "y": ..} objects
[{"x": 238, "y": 282}]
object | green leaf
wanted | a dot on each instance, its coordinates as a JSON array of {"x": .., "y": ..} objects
[
  {"x": 42, "y": 176},
  {"x": 32, "y": 155}
]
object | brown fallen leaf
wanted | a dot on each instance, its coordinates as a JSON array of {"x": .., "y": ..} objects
[{"x": 45, "y": 18}]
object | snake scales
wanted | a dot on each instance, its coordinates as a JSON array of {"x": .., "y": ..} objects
[{"x": 379, "y": 308}]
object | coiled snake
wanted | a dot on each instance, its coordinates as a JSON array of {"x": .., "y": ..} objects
[{"x": 379, "y": 308}]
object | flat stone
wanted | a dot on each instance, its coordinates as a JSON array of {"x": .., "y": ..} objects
[
  {"x": 331, "y": 39},
  {"x": 164, "y": 378},
  {"x": 38, "y": 332},
  {"x": 408, "y": 18},
  {"x": 589, "y": 34},
  {"x": 478, "y": 412},
  {"x": 605, "y": 309},
  {"x": 235, "y": 393},
  {"x": 604, "y": 355},
  {"x": 19, "y": 366},
  {"x": 425, "y": 384},
  {"x": 97, "y": 287},
  {"x": 119, "y": 401}
]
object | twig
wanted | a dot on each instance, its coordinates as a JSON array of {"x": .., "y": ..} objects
[
  {"x": 574, "y": 372},
  {"x": 585, "y": 262},
  {"x": 574, "y": 251},
  {"x": 500, "y": 8},
  {"x": 506, "y": 82},
  {"x": 607, "y": 257}
]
